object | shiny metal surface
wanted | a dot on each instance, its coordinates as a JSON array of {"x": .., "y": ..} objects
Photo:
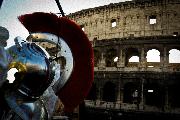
[
  {"x": 22, "y": 109},
  {"x": 4, "y": 35},
  {"x": 3, "y": 65},
  {"x": 65, "y": 52},
  {"x": 34, "y": 69},
  {"x": 18, "y": 42}
]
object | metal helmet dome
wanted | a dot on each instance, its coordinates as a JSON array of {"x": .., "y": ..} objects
[{"x": 35, "y": 72}]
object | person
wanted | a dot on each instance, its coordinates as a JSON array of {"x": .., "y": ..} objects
[
  {"x": 136, "y": 98},
  {"x": 4, "y": 36}
]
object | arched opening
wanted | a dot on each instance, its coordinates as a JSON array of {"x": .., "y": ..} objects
[
  {"x": 153, "y": 58},
  {"x": 131, "y": 93},
  {"x": 92, "y": 93},
  {"x": 111, "y": 56},
  {"x": 174, "y": 56},
  {"x": 154, "y": 94},
  {"x": 174, "y": 98},
  {"x": 116, "y": 59},
  {"x": 109, "y": 92},
  {"x": 153, "y": 55},
  {"x": 132, "y": 57}
]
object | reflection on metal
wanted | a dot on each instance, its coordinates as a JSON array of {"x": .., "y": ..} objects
[
  {"x": 34, "y": 69},
  {"x": 24, "y": 109},
  {"x": 23, "y": 99},
  {"x": 4, "y": 35},
  {"x": 18, "y": 42},
  {"x": 64, "y": 52},
  {"x": 11, "y": 75}
]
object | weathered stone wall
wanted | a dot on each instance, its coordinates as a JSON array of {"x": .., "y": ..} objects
[
  {"x": 132, "y": 18},
  {"x": 123, "y": 30},
  {"x": 133, "y": 35}
]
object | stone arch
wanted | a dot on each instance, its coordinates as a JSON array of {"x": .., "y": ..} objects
[
  {"x": 110, "y": 55},
  {"x": 174, "y": 56},
  {"x": 174, "y": 90},
  {"x": 92, "y": 95},
  {"x": 153, "y": 55},
  {"x": 154, "y": 94},
  {"x": 130, "y": 52},
  {"x": 134, "y": 58},
  {"x": 109, "y": 92},
  {"x": 174, "y": 98},
  {"x": 97, "y": 56},
  {"x": 131, "y": 92}
]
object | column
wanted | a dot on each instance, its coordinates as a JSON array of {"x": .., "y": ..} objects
[
  {"x": 102, "y": 63},
  {"x": 142, "y": 95},
  {"x": 119, "y": 90},
  {"x": 119, "y": 99},
  {"x": 142, "y": 64},
  {"x": 162, "y": 60},
  {"x": 121, "y": 60},
  {"x": 166, "y": 100},
  {"x": 121, "y": 95},
  {"x": 166, "y": 59},
  {"x": 98, "y": 96}
]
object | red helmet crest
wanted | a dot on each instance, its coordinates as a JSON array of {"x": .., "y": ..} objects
[{"x": 82, "y": 75}]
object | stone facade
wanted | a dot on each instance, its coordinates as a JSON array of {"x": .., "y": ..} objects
[
  {"x": 127, "y": 29},
  {"x": 130, "y": 19},
  {"x": 155, "y": 82}
]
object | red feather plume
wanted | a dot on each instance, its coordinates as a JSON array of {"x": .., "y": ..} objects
[{"x": 80, "y": 81}]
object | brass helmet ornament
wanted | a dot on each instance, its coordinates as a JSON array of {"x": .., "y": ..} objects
[{"x": 77, "y": 77}]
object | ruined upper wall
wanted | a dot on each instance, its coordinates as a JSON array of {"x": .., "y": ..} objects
[{"x": 130, "y": 19}]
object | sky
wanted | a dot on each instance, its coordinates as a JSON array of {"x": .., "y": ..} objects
[{"x": 11, "y": 9}]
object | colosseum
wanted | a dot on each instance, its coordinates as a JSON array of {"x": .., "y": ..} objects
[
  {"x": 122, "y": 86},
  {"x": 121, "y": 31}
]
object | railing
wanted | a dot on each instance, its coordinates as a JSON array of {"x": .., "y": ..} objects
[
  {"x": 110, "y": 105},
  {"x": 150, "y": 66},
  {"x": 174, "y": 66},
  {"x": 127, "y": 106},
  {"x": 133, "y": 64}
]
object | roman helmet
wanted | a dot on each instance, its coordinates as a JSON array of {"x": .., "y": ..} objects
[{"x": 35, "y": 68}]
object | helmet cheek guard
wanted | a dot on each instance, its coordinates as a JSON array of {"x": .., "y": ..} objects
[{"x": 80, "y": 79}]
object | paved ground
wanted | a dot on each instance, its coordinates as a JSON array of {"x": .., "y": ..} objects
[{"x": 101, "y": 114}]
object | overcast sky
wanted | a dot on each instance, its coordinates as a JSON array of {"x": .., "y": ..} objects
[{"x": 12, "y": 8}]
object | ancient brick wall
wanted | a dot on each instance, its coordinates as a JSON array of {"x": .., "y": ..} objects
[{"x": 130, "y": 19}]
